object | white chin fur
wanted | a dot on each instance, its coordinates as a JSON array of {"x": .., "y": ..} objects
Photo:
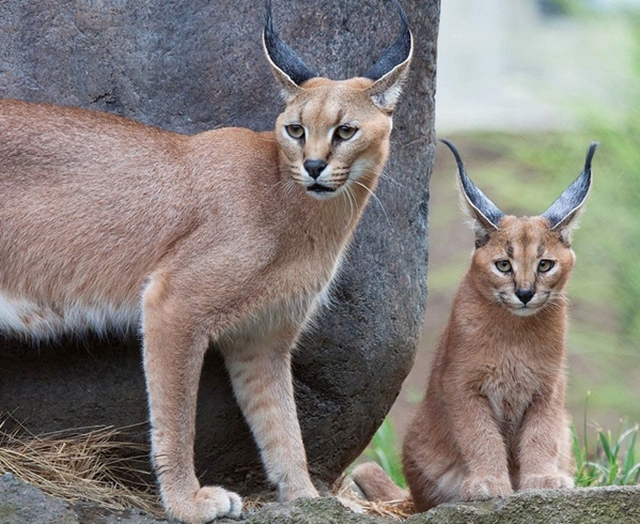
[{"x": 524, "y": 311}]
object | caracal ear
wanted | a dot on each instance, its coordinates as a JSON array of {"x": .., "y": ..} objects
[
  {"x": 391, "y": 70},
  {"x": 484, "y": 213},
  {"x": 287, "y": 66},
  {"x": 562, "y": 214}
]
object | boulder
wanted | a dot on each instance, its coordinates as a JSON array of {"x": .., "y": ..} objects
[{"x": 198, "y": 65}]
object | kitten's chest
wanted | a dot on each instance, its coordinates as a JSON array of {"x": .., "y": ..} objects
[{"x": 510, "y": 381}]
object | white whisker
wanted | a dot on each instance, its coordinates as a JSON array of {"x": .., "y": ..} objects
[{"x": 373, "y": 195}]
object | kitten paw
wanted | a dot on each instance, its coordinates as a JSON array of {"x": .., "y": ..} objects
[
  {"x": 482, "y": 488},
  {"x": 546, "y": 482},
  {"x": 206, "y": 505}
]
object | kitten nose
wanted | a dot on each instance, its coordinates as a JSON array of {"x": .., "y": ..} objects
[
  {"x": 525, "y": 295},
  {"x": 314, "y": 167}
]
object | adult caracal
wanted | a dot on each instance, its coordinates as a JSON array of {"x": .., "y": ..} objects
[
  {"x": 493, "y": 418},
  {"x": 229, "y": 236}
]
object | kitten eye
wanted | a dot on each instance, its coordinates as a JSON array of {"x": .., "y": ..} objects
[
  {"x": 345, "y": 132},
  {"x": 295, "y": 131},
  {"x": 545, "y": 265},
  {"x": 503, "y": 265}
]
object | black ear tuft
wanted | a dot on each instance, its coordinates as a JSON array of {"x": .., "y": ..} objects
[
  {"x": 396, "y": 53},
  {"x": 569, "y": 203},
  {"x": 281, "y": 55},
  {"x": 483, "y": 209}
]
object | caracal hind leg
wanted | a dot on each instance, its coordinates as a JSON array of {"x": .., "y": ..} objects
[
  {"x": 261, "y": 379},
  {"x": 173, "y": 355}
]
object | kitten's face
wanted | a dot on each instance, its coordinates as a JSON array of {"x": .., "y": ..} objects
[
  {"x": 333, "y": 136},
  {"x": 523, "y": 266}
]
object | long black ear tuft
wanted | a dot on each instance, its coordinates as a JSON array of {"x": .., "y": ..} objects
[
  {"x": 483, "y": 211},
  {"x": 568, "y": 205},
  {"x": 287, "y": 65},
  {"x": 396, "y": 53}
]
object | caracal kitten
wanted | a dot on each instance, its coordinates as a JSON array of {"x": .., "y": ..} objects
[
  {"x": 228, "y": 236},
  {"x": 493, "y": 419}
]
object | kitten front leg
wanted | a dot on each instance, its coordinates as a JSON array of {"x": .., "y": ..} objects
[
  {"x": 261, "y": 378},
  {"x": 544, "y": 444},
  {"x": 173, "y": 356},
  {"x": 480, "y": 443}
]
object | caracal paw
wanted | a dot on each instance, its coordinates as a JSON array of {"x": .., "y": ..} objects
[
  {"x": 206, "y": 505},
  {"x": 483, "y": 488},
  {"x": 557, "y": 481}
]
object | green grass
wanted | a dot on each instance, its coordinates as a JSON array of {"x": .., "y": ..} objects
[
  {"x": 612, "y": 459},
  {"x": 384, "y": 449}
]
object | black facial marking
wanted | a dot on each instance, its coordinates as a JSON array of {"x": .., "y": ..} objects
[{"x": 509, "y": 250}]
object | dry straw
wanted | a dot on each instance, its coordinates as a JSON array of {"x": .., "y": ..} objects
[
  {"x": 85, "y": 464},
  {"x": 395, "y": 509},
  {"x": 96, "y": 465}
]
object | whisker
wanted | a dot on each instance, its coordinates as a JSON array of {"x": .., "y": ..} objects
[
  {"x": 384, "y": 174},
  {"x": 350, "y": 198},
  {"x": 373, "y": 195}
]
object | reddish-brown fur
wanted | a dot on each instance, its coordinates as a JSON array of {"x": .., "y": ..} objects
[{"x": 493, "y": 419}]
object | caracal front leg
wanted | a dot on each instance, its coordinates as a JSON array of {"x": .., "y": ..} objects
[
  {"x": 544, "y": 444},
  {"x": 480, "y": 443},
  {"x": 174, "y": 351},
  {"x": 260, "y": 373}
]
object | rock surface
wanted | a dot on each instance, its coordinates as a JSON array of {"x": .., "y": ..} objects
[
  {"x": 24, "y": 504},
  {"x": 197, "y": 65}
]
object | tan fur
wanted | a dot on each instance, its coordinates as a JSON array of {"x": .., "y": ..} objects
[
  {"x": 493, "y": 419},
  {"x": 105, "y": 222}
]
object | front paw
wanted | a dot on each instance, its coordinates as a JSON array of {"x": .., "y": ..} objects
[
  {"x": 482, "y": 488},
  {"x": 207, "y": 504},
  {"x": 557, "y": 481}
]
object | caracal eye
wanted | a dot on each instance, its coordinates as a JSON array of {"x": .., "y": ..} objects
[
  {"x": 503, "y": 265},
  {"x": 295, "y": 131},
  {"x": 545, "y": 265},
  {"x": 345, "y": 132}
]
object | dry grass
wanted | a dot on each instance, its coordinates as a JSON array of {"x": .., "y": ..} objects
[
  {"x": 81, "y": 465},
  {"x": 395, "y": 509},
  {"x": 87, "y": 465}
]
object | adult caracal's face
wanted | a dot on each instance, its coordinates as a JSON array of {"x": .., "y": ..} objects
[
  {"x": 333, "y": 135},
  {"x": 523, "y": 263}
]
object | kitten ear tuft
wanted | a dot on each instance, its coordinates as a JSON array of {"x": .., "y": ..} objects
[
  {"x": 563, "y": 213},
  {"x": 485, "y": 214}
]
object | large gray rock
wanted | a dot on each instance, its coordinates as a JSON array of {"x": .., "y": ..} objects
[
  {"x": 21, "y": 503},
  {"x": 197, "y": 65}
]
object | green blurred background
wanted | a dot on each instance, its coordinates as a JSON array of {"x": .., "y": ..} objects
[{"x": 523, "y": 87}]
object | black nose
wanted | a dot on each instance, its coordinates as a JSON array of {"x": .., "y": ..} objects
[
  {"x": 314, "y": 167},
  {"x": 525, "y": 295}
]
